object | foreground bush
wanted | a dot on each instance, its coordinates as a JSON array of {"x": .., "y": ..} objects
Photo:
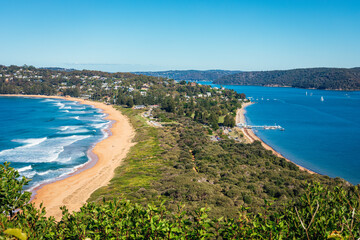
[{"x": 319, "y": 214}]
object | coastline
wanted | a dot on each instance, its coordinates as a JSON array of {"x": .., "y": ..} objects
[
  {"x": 326, "y": 89},
  {"x": 75, "y": 189},
  {"x": 251, "y": 137}
]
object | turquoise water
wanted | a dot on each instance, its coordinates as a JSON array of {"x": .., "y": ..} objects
[
  {"x": 47, "y": 139},
  {"x": 323, "y": 136}
]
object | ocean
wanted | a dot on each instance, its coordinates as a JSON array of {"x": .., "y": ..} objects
[
  {"x": 48, "y": 139},
  {"x": 322, "y": 128}
]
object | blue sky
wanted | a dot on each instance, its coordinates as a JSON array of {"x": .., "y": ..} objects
[{"x": 135, "y": 35}]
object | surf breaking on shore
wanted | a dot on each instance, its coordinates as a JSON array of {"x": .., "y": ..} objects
[
  {"x": 251, "y": 137},
  {"x": 74, "y": 190}
]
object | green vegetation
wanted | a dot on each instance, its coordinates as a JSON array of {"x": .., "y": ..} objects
[
  {"x": 140, "y": 168},
  {"x": 180, "y": 164},
  {"x": 319, "y": 78},
  {"x": 11, "y": 195},
  {"x": 319, "y": 213}
]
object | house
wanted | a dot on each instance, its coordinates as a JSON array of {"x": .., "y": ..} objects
[
  {"x": 85, "y": 96},
  {"x": 144, "y": 88},
  {"x": 139, "y": 107},
  {"x": 193, "y": 84}
]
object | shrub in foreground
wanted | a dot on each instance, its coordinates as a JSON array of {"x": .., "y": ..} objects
[{"x": 319, "y": 214}]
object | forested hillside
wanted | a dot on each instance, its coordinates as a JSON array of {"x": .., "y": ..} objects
[
  {"x": 191, "y": 75},
  {"x": 318, "y": 78}
]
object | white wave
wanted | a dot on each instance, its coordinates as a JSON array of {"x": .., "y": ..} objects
[
  {"x": 100, "y": 125},
  {"x": 48, "y": 100},
  {"x": 79, "y": 108},
  {"x": 49, "y": 172},
  {"x": 66, "y": 111},
  {"x": 77, "y": 155},
  {"x": 72, "y": 170},
  {"x": 59, "y": 172},
  {"x": 42, "y": 182},
  {"x": 23, "y": 169},
  {"x": 60, "y": 105},
  {"x": 46, "y": 151},
  {"x": 28, "y": 144},
  {"x": 63, "y": 160},
  {"x": 97, "y": 120},
  {"x": 63, "y": 128},
  {"x": 77, "y": 117},
  {"x": 81, "y": 112},
  {"x": 30, "y": 141},
  {"x": 73, "y": 129},
  {"x": 29, "y": 174},
  {"x": 68, "y": 107},
  {"x": 64, "y": 172},
  {"x": 105, "y": 134},
  {"x": 44, "y": 173}
]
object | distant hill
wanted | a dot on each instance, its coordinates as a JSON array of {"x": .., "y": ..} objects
[
  {"x": 318, "y": 78},
  {"x": 193, "y": 75}
]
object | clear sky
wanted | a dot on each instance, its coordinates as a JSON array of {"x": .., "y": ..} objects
[{"x": 134, "y": 35}]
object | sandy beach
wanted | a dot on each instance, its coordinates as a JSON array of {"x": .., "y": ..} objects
[
  {"x": 74, "y": 190},
  {"x": 251, "y": 137}
]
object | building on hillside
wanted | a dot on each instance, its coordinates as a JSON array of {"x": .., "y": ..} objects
[{"x": 139, "y": 107}]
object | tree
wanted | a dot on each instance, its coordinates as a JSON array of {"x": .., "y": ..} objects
[
  {"x": 229, "y": 121},
  {"x": 213, "y": 121},
  {"x": 130, "y": 102},
  {"x": 12, "y": 196},
  {"x": 169, "y": 105}
]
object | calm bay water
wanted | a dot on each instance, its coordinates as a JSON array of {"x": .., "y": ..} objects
[
  {"x": 323, "y": 136},
  {"x": 46, "y": 139}
]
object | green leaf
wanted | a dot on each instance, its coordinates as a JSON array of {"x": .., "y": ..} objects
[{"x": 16, "y": 233}]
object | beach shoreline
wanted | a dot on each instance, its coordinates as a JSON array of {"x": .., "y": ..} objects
[
  {"x": 250, "y": 136},
  {"x": 104, "y": 157}
]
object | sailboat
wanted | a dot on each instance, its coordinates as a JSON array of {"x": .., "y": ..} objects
[
  {"x": 306, "y": 93},
  {"x": 322, "y": 98}
]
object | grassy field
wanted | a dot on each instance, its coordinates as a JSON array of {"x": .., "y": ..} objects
[
  {"x": 140, "y": 167},
  {"x": 221, "y": 119}
]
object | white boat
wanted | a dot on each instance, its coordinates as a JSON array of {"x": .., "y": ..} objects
[{"x": 322, "y": 98}]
